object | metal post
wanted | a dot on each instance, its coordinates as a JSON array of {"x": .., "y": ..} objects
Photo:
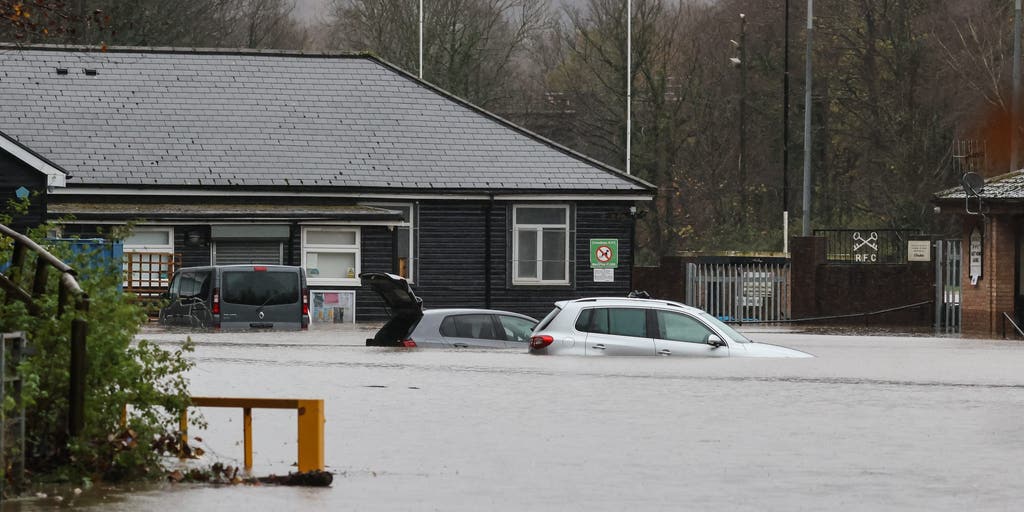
[
  {"x": 421, "y": 39},
  {"x": 1015, "y": 115},
  {"x": 743, "y": 118},
  {"x": 939, "y": 286},
  {"x": 785, "y": 137},
  {"x": 629, "y": 82},
  {"x": 807, "y": 122},
  {"x": 247, "y": 436},
  {"x": 311, "y": 435}
]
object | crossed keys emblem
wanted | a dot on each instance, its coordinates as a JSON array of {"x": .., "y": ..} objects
[{"x": 859, "y": 241}]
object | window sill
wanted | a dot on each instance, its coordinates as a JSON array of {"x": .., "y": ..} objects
[{"x": 329, "y": 281}]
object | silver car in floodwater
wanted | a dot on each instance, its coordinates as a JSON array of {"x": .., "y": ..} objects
[{"x": 642, "y": 327}]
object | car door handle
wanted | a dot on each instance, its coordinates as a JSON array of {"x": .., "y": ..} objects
[
  {"x": 460, "y": 345},
  {"x": 664, "y": 352},
  {"x": 599, "y": 346}
]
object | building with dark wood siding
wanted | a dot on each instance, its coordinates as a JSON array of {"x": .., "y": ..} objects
[{"x": 339, "y": 163}]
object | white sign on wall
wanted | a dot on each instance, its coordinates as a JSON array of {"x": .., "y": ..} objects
[
  {"x": 919, "y": 250},
  {"x": 976, "y": 256},
  {"x": 604, "y": 275}
]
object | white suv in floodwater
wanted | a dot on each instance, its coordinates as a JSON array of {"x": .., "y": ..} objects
[{"x": 642, "y": 327}]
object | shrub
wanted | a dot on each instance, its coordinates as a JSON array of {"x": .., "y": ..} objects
[{"x": 119, "y": 371}]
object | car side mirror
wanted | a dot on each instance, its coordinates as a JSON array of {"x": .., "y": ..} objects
[{"x": 715, "y": 341}]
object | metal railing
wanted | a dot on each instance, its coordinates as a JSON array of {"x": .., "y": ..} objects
[
  {"x": 1007, "y": 318},
  {"x": 740, "y": 292},
  {"x": 867, "y": 245},
  {"x": 948, "y": 267}
]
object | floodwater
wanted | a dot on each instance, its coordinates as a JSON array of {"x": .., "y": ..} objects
[{"x": 871, "y": 423}]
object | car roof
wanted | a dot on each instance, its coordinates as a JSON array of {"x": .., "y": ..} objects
[
  {"x": 627, "y": 301},
  {"x": 470, "y": 311}
]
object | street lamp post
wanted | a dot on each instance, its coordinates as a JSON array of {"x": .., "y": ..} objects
[
  {"x": 785, "y": 137},
  {"x": 807, "y": 122},
  {"x": 629, "y": 82}
]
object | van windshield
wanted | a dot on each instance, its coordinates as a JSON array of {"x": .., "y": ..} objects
[{"x": 260, "y": 288}]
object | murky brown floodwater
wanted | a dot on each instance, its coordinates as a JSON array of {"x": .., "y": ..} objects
[{"x": 872, "y": 423}]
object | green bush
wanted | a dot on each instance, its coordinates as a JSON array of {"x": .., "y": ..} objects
[{"x": 120, "y": 371}]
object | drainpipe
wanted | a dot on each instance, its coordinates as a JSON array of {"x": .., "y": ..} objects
[{"x": 488, "y": 210}]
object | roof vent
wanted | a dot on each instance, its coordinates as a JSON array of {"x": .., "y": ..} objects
[
  {"x": 90, "y": 72},
  {"x": 62, "y": 71}
]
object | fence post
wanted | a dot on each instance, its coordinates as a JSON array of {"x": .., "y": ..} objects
[
  {"x": 76, "y": 398},
  {"x": 311, "y": 435}
]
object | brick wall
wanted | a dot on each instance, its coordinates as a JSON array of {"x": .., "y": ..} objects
[
  {"x": 983, "y": 304},
  {"x": 822, "y": 289}
]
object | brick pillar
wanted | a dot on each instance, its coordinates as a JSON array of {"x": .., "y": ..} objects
[
  {"x": 983, "y": 304},
  {"x": 806, "y": 254}
]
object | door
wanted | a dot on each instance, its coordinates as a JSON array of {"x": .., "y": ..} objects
[
  {"x": 261, "y": 298},
  {"x": 682, "y": 335},
  {"x": 615, "y": 332}
]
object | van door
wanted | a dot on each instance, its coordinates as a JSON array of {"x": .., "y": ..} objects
[{"x": 260, "y": 298}]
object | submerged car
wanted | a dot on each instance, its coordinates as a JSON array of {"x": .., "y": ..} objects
[
  {"x": 642, "y": 327},
  {"x": 412, "y": 326}
]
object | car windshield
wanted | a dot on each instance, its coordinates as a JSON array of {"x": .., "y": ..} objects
[{"x": 733, "y": 334}]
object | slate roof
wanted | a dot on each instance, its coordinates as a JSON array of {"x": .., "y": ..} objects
[
  {"x": 173, "y": 117},
  {"x": 1004, "y": 188}
]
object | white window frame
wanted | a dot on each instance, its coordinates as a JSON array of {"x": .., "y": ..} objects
[
  {"x": 355, "y": 249},
  {"x": 539, "y": 228},
  {"x": 405, "y": 224}
]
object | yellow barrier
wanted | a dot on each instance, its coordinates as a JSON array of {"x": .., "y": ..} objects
[{"x": 311, "y": 425}]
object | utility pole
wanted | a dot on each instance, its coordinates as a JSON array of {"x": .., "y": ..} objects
[
  {"x": 421, "y": 39},
  {"x": 807, "y": 122},
  {"x": 1015, "y": 115},
  {"x": 785, "y": 138},
  {"x": 629, "y": 82},
  {"x": 743, "y": 118}
]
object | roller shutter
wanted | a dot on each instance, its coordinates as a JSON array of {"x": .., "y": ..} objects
[{"x": 261, "y": 252}]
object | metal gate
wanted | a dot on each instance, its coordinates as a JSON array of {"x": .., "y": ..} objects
[
  {"x": 740, "y": 292},
  {"x": 948, "y": 261}
]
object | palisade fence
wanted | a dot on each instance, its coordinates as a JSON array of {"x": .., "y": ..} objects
[
  {"x": 948, "y": 268},
  {"x": 748, "y": 290},
  {"x": 26, "y": 279}
]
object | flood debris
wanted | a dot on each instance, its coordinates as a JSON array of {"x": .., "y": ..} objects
[{"x": 219, "y": 473}]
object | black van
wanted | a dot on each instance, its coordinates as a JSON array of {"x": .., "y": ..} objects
[{"x": 238, "y": 297}]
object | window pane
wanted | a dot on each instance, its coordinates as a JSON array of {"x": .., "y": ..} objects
[
  {"x": 627, "y": 322},
  {"x": 516, "y": 329},
  {"x": 679, "y": 327},
  {"x": 553, "y": 268},
  {"x": 593, "y": 320},
  {"x": 330, "y": 264},
  {"x": 540, "y": 216},
  {"x": 323, "y": 237},
  {"x": 480, "y": 327},
  {"x": 149, "y": 238},
  {"x": 527, "y": 244},
  {"x": 260, "y": 288}
]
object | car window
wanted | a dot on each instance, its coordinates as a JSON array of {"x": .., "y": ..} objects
[
  {"x": 516, "y": 329},
  {"x": 260, "y": 288},
  {"x": 469, "y": 326},
  {"x": 193, "y": 285},
  {"x": 175, "y": 285},
  {"x": 679, "y": 327},
  {"x": 618, "y": 321}
]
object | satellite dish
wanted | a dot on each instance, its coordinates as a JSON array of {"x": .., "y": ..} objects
[{"x": 973, "y": 183}]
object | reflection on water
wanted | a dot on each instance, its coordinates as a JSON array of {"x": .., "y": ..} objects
[{"x": 880, "y": 422}]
